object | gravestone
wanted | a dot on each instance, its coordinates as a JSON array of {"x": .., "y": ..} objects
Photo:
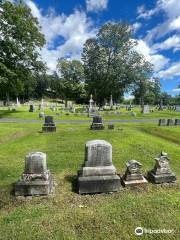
[
  {"x": 111, "y": 103},
  {"x": 91, "y": 109},
  {"x": 36, "y": 179},
  {"x": 145, "y": 109},
  {"x": 49, "y": 125},
  {"x": 110, "y": 126},
  {"x": 133, "y": 114},
  {"x": 98, "y": 173},
  {"x": 31, "y": 108},
  {"x": 170, "y": 122},
  {"x": 97, "y": 123},
  {"x": 177, "y": 122},
  {"x": 162, "y": 122},
  {"x": 161, "y": 172},
  {"x": 133, "y": 175},
  {"x": 41, "y": 115},
  {"x": 177, "y": 108}
]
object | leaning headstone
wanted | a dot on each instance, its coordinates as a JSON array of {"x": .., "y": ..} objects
[
  {"x": 162, "y": 122},
  {"x": 31, "y": 108},
  {"x": 49, "y": 125},
  {"x": 145, "y": 109},
  {"x": 170, "y": 122},
  {"x": 36, "y": 179},
  {"x": 133, "y": 175},
  {"x": 161, "y": 172},
  {"x": 98, "y": 173},
  {"x": 177, "y": 121},
  {"x": 133, "y": 114},
  {"x": 97, "y": 123}
]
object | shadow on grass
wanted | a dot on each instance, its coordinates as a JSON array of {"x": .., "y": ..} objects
[
  {"x": 73, "y": 180},
  {"x": 8, "y": 113}
]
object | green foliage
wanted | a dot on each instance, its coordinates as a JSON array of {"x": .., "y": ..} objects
[
  {"x": 20, "y": 40},
  {"x": 111, "y": 64},
  {"x": 71, "y": 80}
]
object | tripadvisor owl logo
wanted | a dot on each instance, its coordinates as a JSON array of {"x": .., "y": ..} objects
[{"x": 139, "y": 231}]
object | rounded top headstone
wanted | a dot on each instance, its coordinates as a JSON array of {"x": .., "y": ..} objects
[{"x": 35, "y": 163}]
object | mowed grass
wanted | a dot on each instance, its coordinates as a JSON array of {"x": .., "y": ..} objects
[
  {"x": 23, "y": 113},
  {"x": 67, "y": 215}
]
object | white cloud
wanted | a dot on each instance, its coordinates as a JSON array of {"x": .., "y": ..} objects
[
  {"x": 172, "y": 71},
  {"x": 171, "y": 42},
  {"x": 158, "y": 60},
  {"x": 71, "y": 31},
  {"x": 136, "y": 26},
  {"x": 176, "y": 90},
  {"x": 146, "y": 14},
  {"x": 96, "y": 5},
  {"x": 171, "y": 11}
]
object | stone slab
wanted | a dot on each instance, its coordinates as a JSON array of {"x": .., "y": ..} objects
[
  {"x": 133, "y": 183},
  {"x": 99, "y": 184},
  {"x": 161, "y": 178},
  {"x": 98, "y": 171},
  {"x": 49, "y": 128},
  {"x": 37, "y": 187}
]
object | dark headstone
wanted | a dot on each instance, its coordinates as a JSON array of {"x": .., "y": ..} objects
[
  {"x": 170, "y": 122},
  {"x": 162, "y": 122},
  {"x": 97, "y": 123},
  {"x": 49, "y": 125},
  {"x": 177, "y": 121},
  {"x": 110, "y": 126},
  {"x": 31, "y": 108},
  {"x": 98, "y": 173},
  {"x": 161, "y": 172}
]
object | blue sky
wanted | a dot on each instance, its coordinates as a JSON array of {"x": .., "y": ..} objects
[{"x": 67, "y": 24}]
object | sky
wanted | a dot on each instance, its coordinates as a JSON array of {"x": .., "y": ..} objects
[{"x": 67, "y": 24}]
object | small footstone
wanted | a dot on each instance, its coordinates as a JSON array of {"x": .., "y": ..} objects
[
  {"x": 36, "y": 179},
  {"x": 161, "y": 172},
  {"x": 133, "y": 176},
  {"x": 98, "y": 175}
]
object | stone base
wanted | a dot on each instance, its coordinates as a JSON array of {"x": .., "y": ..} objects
[
  {"x": 49, "y": 128},
  {"x": 97, "y": 126},
  {"x": 99, "y": 184},
  {"x": 133, "y": 183},
  {"x": 36, "y": 187},
  {"x": 98, "y": 171},
  {"x": 161, "y": 178}
]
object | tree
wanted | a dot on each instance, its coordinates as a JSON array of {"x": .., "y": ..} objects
[
  {"x": 72, "y": 79},
  {"x": 147, "y": 91},
  {"x": 20, "y": 41},
  {"x": 111, "y": 63}
]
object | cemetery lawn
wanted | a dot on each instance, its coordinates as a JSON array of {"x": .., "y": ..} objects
[
  {"x": 70, "y": 216},
  {"x": 23, "y": 113}
]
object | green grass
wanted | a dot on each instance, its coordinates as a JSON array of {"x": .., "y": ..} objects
[
  {"x": 67, "y": 215},
  {"x": 22, "y": 113}
]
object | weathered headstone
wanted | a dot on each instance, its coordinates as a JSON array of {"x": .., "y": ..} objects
[
  {"x": 31, "y": 108},
  {"x": 41, "y": 115},
  {"x": 133, "y": 175},
  {"x": 177, "y": 108},
  {"x": 161, "y": 172},
  {"x": 98, "y": 173},
  {"x": 133, "y": 114},
  {"x": 145, "y": 109},
  {"x": 36, "y": 179},
  {"x": 110, "y": 126},
  {"x": 162, "y": 122},
  {"x": 49, "y": 125},
  {"x": 170, "y": 122},
  {"x": 91, "y": 110},
  {"x": 111, "y": 103},
  {"x": 97, "y": 123},
  {"x": 177, "y": 121}
]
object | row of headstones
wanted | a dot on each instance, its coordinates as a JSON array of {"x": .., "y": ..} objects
[
  {"x": 98, "y": 174},
  {"x": 169, "y": 122}
]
